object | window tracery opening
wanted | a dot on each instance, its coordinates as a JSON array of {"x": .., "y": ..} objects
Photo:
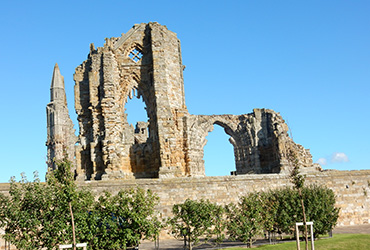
[{"x": 135, "y": 55}]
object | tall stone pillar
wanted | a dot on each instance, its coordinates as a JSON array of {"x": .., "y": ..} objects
[{"x": 60, "y": 133}]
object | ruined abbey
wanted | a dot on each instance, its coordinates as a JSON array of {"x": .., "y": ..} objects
[
  {"x": 165, "y": 152},
  {"x": 146, "y": 63}
]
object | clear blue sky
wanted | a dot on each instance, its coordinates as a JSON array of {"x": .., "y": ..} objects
[{"x": 308, "y": 60}]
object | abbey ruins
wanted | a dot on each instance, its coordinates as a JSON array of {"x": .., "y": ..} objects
[
  {"x": 165, "y": 153},
  {"x": 146, "y": 63}
]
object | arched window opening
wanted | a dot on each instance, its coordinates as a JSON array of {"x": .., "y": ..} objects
[
  {"x": 137, "y": 116},
  {"x": 218, "y": 157}
]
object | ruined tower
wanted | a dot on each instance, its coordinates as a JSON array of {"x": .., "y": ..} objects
[
  {"x": 146, "y": 63},
  {"x": 60, "y": 133}
]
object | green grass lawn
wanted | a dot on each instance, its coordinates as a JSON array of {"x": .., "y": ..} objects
[{"x": 339, "y": 241}]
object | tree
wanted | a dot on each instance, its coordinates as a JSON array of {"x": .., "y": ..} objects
[
  {"x": 298, "y": 181},
  {"x": 39, "y": 215},
  {"x": 123, "y": 220},
  {"x": 23, "y": 211},
  {"x": 218, "y": 222},
  {"x": 319, "y": 203},
  {"x": 245, "y": 219},
  {"x": 62, "y": 179},
  {"x": 270, "y": 214},
  {"x": 288, "y": 209},
  {"x": 194, "y": 219},
  {"x": 320, "y": 208}
]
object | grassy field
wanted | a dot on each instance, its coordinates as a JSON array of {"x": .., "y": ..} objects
[{"x": 339, "y": 241}]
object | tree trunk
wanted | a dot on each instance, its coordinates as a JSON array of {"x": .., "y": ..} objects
[
  {"x": 304, "y": 219},
  {"x": 73, "y": 226}
]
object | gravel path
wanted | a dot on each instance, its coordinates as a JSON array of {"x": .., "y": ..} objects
[{"x": 360, "y": 229}]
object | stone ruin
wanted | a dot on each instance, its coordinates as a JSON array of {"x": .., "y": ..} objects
[{"x": 146, "y": 63}]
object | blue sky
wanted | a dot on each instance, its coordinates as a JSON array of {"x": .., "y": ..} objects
[{"x": 308, "y": 60}]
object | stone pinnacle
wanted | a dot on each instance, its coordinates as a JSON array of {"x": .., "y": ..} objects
[{"x": 58, "y": 80}]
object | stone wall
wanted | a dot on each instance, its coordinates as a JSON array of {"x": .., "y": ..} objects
[{"x": 352, "y": 190}]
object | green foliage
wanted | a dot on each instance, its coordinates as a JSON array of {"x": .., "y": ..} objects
[
  {"x": 194, "y": 219},
  {"x": 320, "y": 208},
  {"x": 319, "y": 203},
  {"x": 272, "y": 211},
  {"x": 37, "y": 215},
  {"x": 288, "y": 210},
  {"x": 270, "y": 215},
  {"x": 24, "y": 211},
  {"x": 245, "y": 219},
  {"x": 124, "y": 219},
  {"x": 296, "y": 178},
  {"x": 298, "y": 181},
  {"x": 219, "y": 223}
]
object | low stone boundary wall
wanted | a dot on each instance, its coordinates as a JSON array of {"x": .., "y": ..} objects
[{"x": 352, "y": 189}]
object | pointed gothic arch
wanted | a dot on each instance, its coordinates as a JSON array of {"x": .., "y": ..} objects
[
  {"x": 219, "y": 153},
  {"x": 199, "y": 130}
]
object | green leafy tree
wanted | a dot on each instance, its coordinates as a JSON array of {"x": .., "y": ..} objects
[
  {"x": 62, "y": 180},
  {"x": 320, "y": 208},
  {"x": 319, "y": 202},
  {"x": 245, "y": 219},
  {"x": 194, "y": 219},
  {"x": 123, "y": 220},
  {"x": 270, "y": 205},
  {"x": 39, "y": 215},
  {"x": 298, "y": 181},
  {"x": 23, "y": 211},
  {"x": 288, "y": 210},
  {"x": 218, "y": 223}
]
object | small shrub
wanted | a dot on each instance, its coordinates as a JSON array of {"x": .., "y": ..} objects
[
  {"x": 193, "y": 219},
  {"x": 245, "y": 219}
]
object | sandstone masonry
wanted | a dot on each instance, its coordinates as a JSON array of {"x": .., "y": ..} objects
[
  {"x": 61, "y": 135},
  {"x": 352, "y": 190},
  {"x": 146, "y": 63}
]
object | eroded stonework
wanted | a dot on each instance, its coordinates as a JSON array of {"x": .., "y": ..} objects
[
  {"x": 61, "y": 138},
  {"x": 146, "y": 63}
]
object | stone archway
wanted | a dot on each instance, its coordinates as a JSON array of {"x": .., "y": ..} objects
[
  {"x": 219, "y": 153},
  {"x": 201, "y": 126}
]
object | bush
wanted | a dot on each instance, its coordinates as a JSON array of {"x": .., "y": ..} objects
[
  {"x": 320, "y": 208},
  {"x": 245, "y": 219},
  {"x": 37, "y": 215},
  {"x": 194, "y": 219},
  {"x": 272, "y": 211},
  {"x": 289, "y": 210},
  {"x": 123, "y": 220},
  {"x": 319, "y": 202}
]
